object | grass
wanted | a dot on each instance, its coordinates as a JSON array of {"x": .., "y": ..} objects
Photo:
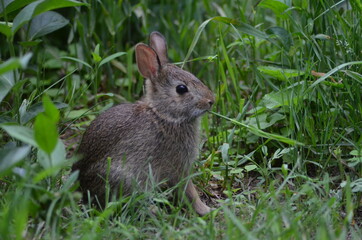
[{"x": 283, "y": 73}]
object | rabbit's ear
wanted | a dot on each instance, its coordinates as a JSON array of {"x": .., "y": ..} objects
[
  {"x": 147, "y": 61},
  {"x": 158, "y": 43}
]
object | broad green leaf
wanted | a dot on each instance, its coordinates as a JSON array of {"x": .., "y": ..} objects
[
  {"x": 45, "y": 126},
  {"x": 236, "y": 171},
  {"x": 111, "y": 57},
  {"x": 11, "y": 156},
  {"x": 96, "y": 57},
  {"x": 35, "y": 109},
  {"x": 38, "y": 7},
  {"x": 46, "y": 23},
  {"x": 6, "y": 83},
  {"x": 45, "y": 133},
  {"x": 7, "y": 80},
  {"x": 284, "y": 97},
  {"x": 259, "y": 132},
  {"x": 13, "y": 5},
  {"x": 4, "y": 4},
  {"x": 50, "y": 110},
  {"x": 356, "y": 153},
  {"x": 275, "y": 100},
  {"x": 15, "y": 63},
  {"x": 225, "y": 152},
  {"x": 280, "y": 152},
  {"x": 278, "y": 7},
  {"x": 24, "y": 60},
  {"x": 5, "y": 28},
  {"x": 280, "y": 73},
  {"x": 23, "y": 134},
  {"x": 264, "y": 120},
  {"x": 56, "y": 159},
  {"x": 249, "y": 168},
  {"x": 25, "y": 15},
  {"x": 9, "y": 65},
  {"x": 54, "y": 63},
  {"x": 75, "y": 114}
]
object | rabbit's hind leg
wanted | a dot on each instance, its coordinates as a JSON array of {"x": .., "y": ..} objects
[{"x": 200, "y": 207}]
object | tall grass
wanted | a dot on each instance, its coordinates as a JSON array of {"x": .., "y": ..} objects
[{"x": 281, "y": 154}]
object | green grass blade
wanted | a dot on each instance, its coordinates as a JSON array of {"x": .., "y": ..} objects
[
  {"x": 78, "y": 61},
  {"x": 111, "y": 57},
  {"x": 261, "y": 133},
  {"x": 334, "y": 70}
]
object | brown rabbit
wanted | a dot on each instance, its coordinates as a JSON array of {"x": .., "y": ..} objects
[{"x": 160, "y": 132}]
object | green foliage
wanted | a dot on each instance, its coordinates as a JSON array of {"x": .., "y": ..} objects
[
  {"x": 281, "y": 150},
  {"x": 280, "y": 73},
  {"x": 32, "y": 10},
  {"x": 11, "y": 156},
  {"x": 45, "y": 126},
  {"x": 45, "y": 23},
  {"x": 14, "y": 63},
  {"x": 278, "y": 7}
]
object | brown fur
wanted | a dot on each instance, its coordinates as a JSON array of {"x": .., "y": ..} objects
[{"x": 161, "y": 131}]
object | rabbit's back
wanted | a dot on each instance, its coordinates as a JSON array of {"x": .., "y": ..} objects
[{"x": 136, "y": 140}]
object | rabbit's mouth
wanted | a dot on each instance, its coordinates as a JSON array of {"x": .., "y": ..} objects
[{"x": 199, "y": 112}]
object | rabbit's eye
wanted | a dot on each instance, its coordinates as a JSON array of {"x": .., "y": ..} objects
[{"x": 181, "y": 89}]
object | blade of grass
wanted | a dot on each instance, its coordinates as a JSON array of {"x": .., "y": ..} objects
[
  {"x": 261, "y": 133},
  {"x": 334, "y": 70}
]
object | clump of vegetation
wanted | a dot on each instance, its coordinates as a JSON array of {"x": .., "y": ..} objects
[{"x": 282, "y": 148}]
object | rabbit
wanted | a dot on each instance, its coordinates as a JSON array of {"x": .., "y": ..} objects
[{"x": 159, "y": 134}]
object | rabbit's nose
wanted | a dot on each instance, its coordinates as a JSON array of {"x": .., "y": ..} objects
[{"x": 211, "y": 102}]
